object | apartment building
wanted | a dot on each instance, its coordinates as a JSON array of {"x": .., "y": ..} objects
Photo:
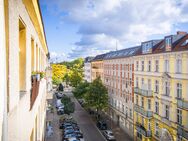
[
  {"x": 161, "y": 89},
  {"x": 24, "y": 54},
  {"x": 97, "y": 67},
  {"x": 119, "y": 79},
  {"x": 87, "y": 69}
]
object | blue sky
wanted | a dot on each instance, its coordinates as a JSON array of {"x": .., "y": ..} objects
[{"x": 80, "y": 28}]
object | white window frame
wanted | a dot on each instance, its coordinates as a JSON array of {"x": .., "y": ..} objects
[
  {"x": 178, "y": 65},
  {"x": 179, "y": 90}
]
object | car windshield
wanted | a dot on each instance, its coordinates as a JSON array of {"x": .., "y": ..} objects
[{"x": 111, "y": 134}]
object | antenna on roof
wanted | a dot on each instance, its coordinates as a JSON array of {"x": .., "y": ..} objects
[{"x": 116, "y": 46}]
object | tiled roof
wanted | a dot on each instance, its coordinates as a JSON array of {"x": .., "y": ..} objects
[
  {"x": 88, "y": 59},
  {"x": 122, "y": 53},
  {"x": 99, "y": 57}
]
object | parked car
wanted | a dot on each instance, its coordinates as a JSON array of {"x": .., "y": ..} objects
[
  {"x": 60, "y": 111},
  {"x": 109, "y": 135},
  {"x": 72, "y": 139},
  {"x": 102, "y": 125},
  {"x": 58, "y": 103}
]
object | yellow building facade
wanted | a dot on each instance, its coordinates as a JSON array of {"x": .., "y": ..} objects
[
  {"x": 161, "y": 90},
  {"x": 97, "y": 67},
  {"x": 24, "y": 55}
]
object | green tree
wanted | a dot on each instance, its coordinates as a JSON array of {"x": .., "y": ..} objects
[
  {"x": 58, "y": 72},
  {"x": 97, "y": 95},
  {"x": 81, "y": 90}
]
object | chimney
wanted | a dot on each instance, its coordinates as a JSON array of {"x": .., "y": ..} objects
[{"x": 181, "y": 32}]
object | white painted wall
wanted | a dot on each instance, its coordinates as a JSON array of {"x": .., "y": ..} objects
[
  {"x": 21, "y": 120},
  {"x": 3, "y": 121}
]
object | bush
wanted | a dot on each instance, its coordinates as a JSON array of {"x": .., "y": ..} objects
[{"x": 69, "y": 105}]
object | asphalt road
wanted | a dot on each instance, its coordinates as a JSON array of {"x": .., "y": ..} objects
[{"x": 88, "y": 127}]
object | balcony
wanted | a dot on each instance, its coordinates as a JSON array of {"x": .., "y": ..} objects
[
  {"x": 146, "y": 93},
  {"x": 182, "y": 104},
  {"x": 182, "y": 132},
  {"x": 141, "y": 129},
  {"x": 140, "y": 110},
  {"x": 35, "y": 79}
]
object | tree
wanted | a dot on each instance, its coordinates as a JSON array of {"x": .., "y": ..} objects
[
  {"x": 81, "y": 90},
  {"x": 58, "y": 72},
  {"x": 97, "y": 95}
]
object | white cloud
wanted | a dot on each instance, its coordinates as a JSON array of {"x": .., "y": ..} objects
[{"x": 105, "y": 22}]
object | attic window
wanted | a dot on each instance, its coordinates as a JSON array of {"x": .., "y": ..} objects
[
  {"x": 185, "y": 42},
  {"x": 146, "y": 47},
  {"x": 168, "y": 43}
]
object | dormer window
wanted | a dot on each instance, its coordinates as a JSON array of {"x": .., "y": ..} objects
[
  {"x": 168, "y": 43},
  {"x": 147, "y": 47}
]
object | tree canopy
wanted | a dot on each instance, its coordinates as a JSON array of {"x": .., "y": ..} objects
[{"x": 97, "y": 95}]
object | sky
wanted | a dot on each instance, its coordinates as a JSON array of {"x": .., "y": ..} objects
[{"x": 81, "y": 28}]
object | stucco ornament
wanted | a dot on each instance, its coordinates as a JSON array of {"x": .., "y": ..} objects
[{"x": 165, "y": 135}]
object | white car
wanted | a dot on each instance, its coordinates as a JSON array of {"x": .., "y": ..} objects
[{"x": 109, "y": 135}]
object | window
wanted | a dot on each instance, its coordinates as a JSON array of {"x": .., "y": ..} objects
[
  {"x": 32, "y": 55},
  {"x": 167, "y": 88},
  {"x": 136, "y": 99},
  {"x": 137, "y": 65},
  {"x": 157, "y": 129},
  {"x": 130, "y": 112},
  {"x": 157, "y": 107},
  {"x": 149, "y": 104},
  {"x": 179, "y": 116},
  {"x": 166, "y": 65},
  {"x": 149, "y": 125},
  {"x": 142, "y": 102},
  {"x": 166, "y": 111},
  {"x": 157, "y": 65},
  {"x": 179, "y": 90},
  {"x": 22, "y": 56},
  {"x": 149, "y": 66},
  {"x": 142, "y": 81},
  {"x": 156, "y": 86},
  {"x": 149, "y": 84},
  {"x": 137, "y": 82},
  {"x": 178, "y": 66},
  {"x": 168, "y": 43},
  {"x": 142, "y": 65}
]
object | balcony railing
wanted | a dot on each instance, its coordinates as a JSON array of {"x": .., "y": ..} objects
[
  {"x": 142, "y": 92},
  {"x": 141, "y": 129},
  {"x": 140, "y": 110},
  {"x": 182, "y": 132},
  {"x": 182, "y": 104},
  {"x": 34, "y": 90}
]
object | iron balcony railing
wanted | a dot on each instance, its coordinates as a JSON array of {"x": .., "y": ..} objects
[
  {"x": 182, "y": 104},
  {"x": 143, "y": 112},
  {"x": 142, "y": 130},
  {"x": 182, "y": 132},
  {"x": 146, "y": 93}
]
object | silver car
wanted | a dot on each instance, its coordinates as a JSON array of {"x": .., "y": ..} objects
[{"x": 109, "y": 135}]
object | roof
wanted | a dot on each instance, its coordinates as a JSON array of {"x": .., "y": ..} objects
[
  {"x": 88, "y": 59},
  {"x": 99, "y": 57},
  {"x": 122, "y": 53}
]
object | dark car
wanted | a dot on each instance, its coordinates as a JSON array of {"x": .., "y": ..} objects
[{"x": 102, "y": 125}]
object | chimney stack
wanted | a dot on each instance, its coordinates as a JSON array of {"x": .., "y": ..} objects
[{"x": 181, "y": 32}]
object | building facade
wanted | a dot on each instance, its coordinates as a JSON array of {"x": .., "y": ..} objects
[
  {"x": 161, "y": 89},
  {"x": 97, "y": 67},
  {"x": 119, "y": 80},
  {"x": 24, "y": 61},
  {"x": 87, "y": 69}
]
